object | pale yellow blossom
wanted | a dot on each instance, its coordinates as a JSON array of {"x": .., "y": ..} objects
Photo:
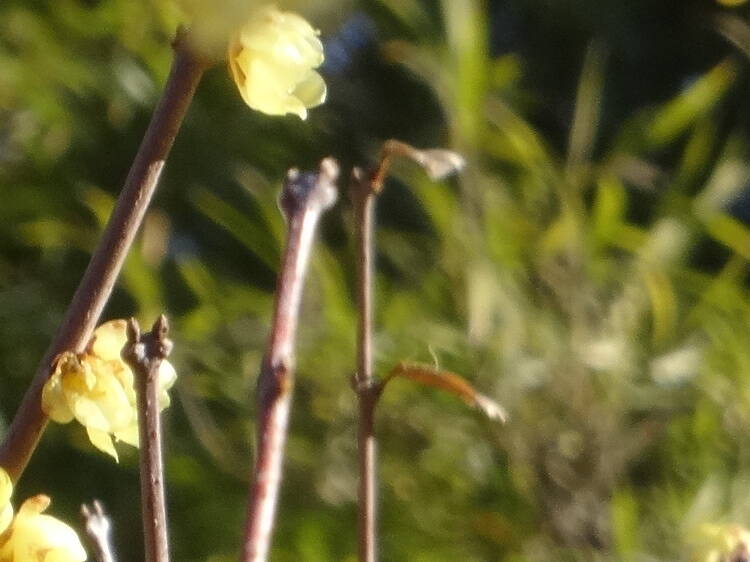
[
  {"x": 272, "y": 60},
  {"x": 96, "y": 388},
  {"x": 31, "y": 536}
]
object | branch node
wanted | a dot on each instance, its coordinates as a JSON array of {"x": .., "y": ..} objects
[
  {"x": 143, "y": 352},
  {"x": 366, "y": 387},
  {"x": 309, "y": 190}
]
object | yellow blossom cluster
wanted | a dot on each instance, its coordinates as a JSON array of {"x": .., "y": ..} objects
[
  {"x": 96, "y": 388},
  {"x": 272, "y": 60},
  {"x": 32, "y": 536}
]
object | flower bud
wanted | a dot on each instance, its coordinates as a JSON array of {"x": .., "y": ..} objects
[
  {"x": 31, "y": 536},
  {"x": 34, "y": 537}
]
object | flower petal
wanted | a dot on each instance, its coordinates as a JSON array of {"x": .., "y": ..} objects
[
  {"x": 41, "y": 538},
  {"x": 102, "y": 441},
  {"x": 129, "y": 435},
  {"x": 108, "y": 340},
  {"x": 106, "y": 407},
  {"x": 54, "y": 403},
  {"x": 312, "y": 90}
]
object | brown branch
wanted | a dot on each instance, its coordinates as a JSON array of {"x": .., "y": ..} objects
[
  {"x": 106, "y": 262},
  {"x": 98, "y": 529},
  {"x": 144, "y": 354},
  {"x": 365, "y": 187},
  {"x": 364, "y": 191},
  {"x": 304, "y": 198},
  {"x": 740, "y": 554}
]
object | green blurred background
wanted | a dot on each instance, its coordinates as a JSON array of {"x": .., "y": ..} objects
[{"x": 589, "y": 270}]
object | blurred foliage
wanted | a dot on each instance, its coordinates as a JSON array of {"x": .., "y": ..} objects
[{"x": 588, "y": 270}]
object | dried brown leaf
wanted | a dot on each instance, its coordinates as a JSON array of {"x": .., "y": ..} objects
[{"x": 450, "y": 382}]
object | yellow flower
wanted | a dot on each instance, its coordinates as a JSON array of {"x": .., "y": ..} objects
[
  {"x": 32, "y": 536},
  {"x": 272, "y": 60},
  {"x": 96, "y": 388}
]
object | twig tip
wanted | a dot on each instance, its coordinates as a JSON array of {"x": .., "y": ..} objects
[
  {"x": 310, "y": 189},
  {"x": 133, "y": 331}
]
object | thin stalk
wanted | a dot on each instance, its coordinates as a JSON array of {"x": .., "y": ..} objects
[
  {"x": 304, "y": 198},
  {"x": 364, "y": 211},
  {"x": 365, "y": 188},
  {"x": 98, "y": 529},
  {"x": 145, "y": 353},
  {"x": 106, "y": 262}
]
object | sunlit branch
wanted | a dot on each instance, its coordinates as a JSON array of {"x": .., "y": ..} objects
[
  {"x": 144, "y": 354},
  {"x": 365, "y": 187},
  {"x": 304, "y": 198},
  {"x": 106, "y": 262}
]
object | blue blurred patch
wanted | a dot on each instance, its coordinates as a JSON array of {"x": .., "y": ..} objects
[{"x": 356, "y": 35}]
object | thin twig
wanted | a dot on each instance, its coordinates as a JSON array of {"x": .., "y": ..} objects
[
  {"x": 144, "y": 354},
  {"x": 98, "y": 529},
  {"x": 100, "y": 276},
  {"x": 365, "y": 187},
  {"x": 364, "y": 193},
  {"x": 740, "y": 554},
  {"x": 304, "y": 198}
]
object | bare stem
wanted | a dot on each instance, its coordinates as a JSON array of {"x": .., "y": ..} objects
[
  {"x": 304, "y": 198},
  {"x": 145, "y": 353},
  {"x": 364, "y": 194},
  {"x": 365, "y": 187},
  {"x": 98, "y": 529},
  {"x": 103, "y": 269}
]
